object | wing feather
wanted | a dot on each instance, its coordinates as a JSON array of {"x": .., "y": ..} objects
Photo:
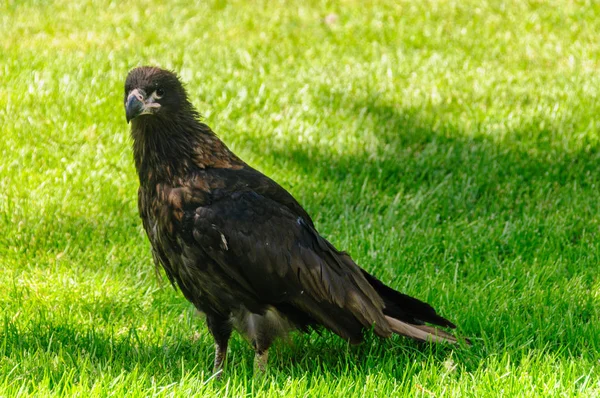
[{"x": 283, "y": 260}]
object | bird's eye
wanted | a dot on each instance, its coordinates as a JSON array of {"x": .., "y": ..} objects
[{"x": 160, "y": 92}]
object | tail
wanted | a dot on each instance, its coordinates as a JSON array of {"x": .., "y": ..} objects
[
  {"x": 420, "y": 332},
  {"x": 407, "y": 315}
]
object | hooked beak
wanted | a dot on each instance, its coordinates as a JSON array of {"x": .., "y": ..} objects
[{"x": 137, "y": 104}]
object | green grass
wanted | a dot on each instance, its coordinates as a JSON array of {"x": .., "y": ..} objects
[{"x": 451, "y": 147}]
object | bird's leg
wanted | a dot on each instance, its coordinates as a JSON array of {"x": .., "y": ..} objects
[
  {"x": 261, "y": 352},
  {"x": 262, "y": 333},
  {"x": 220, "y": 355},
  {"x": 261, "y": 359},
  {"x": 220, "y": 328}
]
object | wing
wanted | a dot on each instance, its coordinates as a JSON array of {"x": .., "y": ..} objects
[
  {"x": 209, "y": 185},
  {"x": 246, "y": 178},
  {"x": 281, "y": 260}
]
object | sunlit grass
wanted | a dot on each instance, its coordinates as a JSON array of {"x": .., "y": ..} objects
[{"x": 450, "y": 146}]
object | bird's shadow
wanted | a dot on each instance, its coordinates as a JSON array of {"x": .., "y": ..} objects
[
  {"x": 126, "y": 350},
  {"x": 322, "y": 355}
]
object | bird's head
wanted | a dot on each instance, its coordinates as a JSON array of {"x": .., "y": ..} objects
[{"x": 153, "y": 92}]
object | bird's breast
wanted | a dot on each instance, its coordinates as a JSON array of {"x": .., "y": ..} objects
[{"x": 167, "y": 206}]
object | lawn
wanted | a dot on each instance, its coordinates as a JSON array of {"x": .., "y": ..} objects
[{"x": 451, "y": 147}]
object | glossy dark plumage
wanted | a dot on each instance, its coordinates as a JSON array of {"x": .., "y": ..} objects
[{"x": 238, "y": 245}]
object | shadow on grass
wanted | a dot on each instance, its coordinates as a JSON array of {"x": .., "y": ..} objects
[
  {"x": 529, "y": 198},
  {"x": 455, "y": 176},
  {"x": 416, "y": 152},
  {"x": 173, "y": 356}
]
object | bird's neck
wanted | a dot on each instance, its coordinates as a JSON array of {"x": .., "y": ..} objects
[{"x": 166, "y": 152}]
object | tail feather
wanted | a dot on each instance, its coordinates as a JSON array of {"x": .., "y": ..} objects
[
  {"x": 420, "y": 332},
  {"x": 405, "y": 308}
]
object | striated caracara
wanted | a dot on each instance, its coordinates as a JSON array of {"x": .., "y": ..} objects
[{"x": 238, "y": 245}]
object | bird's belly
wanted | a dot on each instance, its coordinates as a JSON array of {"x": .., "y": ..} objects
[
  {"x": 260, "y": 329},
  {"x": 205, "y": 285}
]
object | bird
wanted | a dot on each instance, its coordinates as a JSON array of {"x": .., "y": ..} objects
[{"x": 240, "y": 247}]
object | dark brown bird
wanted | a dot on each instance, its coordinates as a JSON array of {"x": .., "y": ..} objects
[{"x": 238, "y": 245}]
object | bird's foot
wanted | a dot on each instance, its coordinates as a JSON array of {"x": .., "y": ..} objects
[{"x": 220, "y": 355}]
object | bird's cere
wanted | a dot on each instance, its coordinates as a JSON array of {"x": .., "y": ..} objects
[
  {"x": 134, "y": 105},
  {"x": 138, "y": 104}
]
